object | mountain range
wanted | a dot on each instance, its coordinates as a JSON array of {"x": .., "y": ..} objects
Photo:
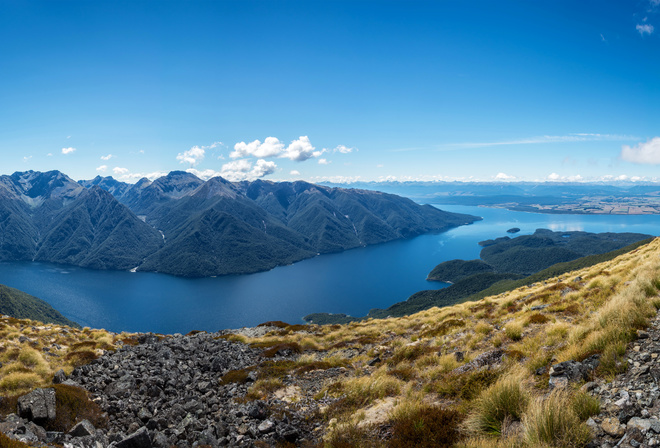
[{"x": 182, "y": 225}]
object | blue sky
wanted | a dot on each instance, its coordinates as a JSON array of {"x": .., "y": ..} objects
[{"x": 332, "y": 90}]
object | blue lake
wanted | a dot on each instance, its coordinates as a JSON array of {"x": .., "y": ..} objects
[{"x": 351, "y": 282}]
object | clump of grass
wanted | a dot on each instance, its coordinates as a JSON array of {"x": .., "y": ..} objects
[
  {"x": 19, "y": 382},
  {"x": 350, "y": 435},
  {"x": 6, "y": 442},
  {"x": 80, "y": 357},
  {"x": 407, "y": 353},
  {"x": 263, "y": 387},
  {"x": 506, "y": 399},
  {"x": 466, "y": 386},
  {"x": 483, "y": 328},
  {"x": 537, "y": 318},
  {"x": 585, "y": 405},
  {"x": 72, "y": 404},
  {"x": 278, "y": 349},
  {"x": 514, "y": 331},
  {"x": 235, "y": 376},
  {"x": 552, "y": 421},
  {"x": 425, "y": 426},
  {"x": 361, "y": 391}
]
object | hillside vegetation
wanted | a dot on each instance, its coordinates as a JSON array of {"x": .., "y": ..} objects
[
  {"x": 476, "y": 374},
  {"x": 20, "y": 305}
]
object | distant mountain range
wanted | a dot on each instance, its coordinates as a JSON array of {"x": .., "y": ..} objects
[{"x": 181, "y": 225}]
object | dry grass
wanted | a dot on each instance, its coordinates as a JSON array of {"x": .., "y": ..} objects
[
  {"x": 570, "y": 320},
  {"x": 31, "y": 352},
  {"x": 420, "y": 355}
]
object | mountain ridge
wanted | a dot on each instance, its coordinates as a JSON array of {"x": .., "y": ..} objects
[{"x": 222, "y": 227}]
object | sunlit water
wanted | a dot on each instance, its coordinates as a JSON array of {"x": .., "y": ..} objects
[{"x": 350, "y": 282}]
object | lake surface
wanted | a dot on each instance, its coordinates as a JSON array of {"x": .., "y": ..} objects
[{"x": 350, "y": 282}]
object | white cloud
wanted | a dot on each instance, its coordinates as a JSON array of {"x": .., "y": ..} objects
[
  {"x": 108, "y": 157},
  {"x": 343, "y": 149},
  {"x": 380, "y": 165},
  {"x": 646, "y": 153},
  {"x": 300, "y": 150},
  {"x": 324, "y": 162},
  {"x": 244, "y": 170},
  {"x": 193, "y": 156},
  {"x": 68, "y": 136},
  {"x": 645, "y": 29},
  {"x": 503, "y": 176},
  {"x": 126, "y": 176},
  {"x": 295, "y": 173},
  {"x": 263, "y": 168},
  {"x": 120, "y": 171},
  {"x": 621, "y": 177},
  {"x": 50, "y": 154},
  {"x": 554, "y": 176},
  {"x": 271, "y": 147},
  {"x": 102, "y": 168},
  {"x": 68, "y": 150},
  {"x": 336, "y": 179},
  {"x": 26, "y": 158}
]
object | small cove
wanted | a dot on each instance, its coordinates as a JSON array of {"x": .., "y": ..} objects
[{"x": 350, "y": 282}]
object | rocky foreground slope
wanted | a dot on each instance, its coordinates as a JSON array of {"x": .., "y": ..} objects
[{"x": 570, "y": 362}]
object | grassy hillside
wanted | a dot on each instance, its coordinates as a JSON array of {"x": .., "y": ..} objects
[
  {"x": 422, "y": 380},
  {"x": 471, "y": 375},
  {"x": 20, "y": 305},
  {"x": 31, "y": 352}
]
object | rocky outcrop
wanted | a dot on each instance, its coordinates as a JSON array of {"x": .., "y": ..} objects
[
  {"x": 630, "y": 405},
  {"x": 167, "y": 391}
]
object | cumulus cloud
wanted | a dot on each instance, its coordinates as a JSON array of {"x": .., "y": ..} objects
[
  {"x": 645, "y": 29},
  {"x": 119, "y": 171},
  {"x": 102, "y": 168},
  {"x": 244, "y": 170},
  {"x": 301, "y": 150},
  {"x": 554, "y": 176},
  {"x": 645, "y": 153},
  {"x": 68, "y": 150},
  {"x": 343, "y": 149},
  {"x": 295, "y": 173},
  {"x": 324, "y": 162},
  {"x": 298, "y": 150},
  {"x": 271, "y": 147},
  {"x": 193, "y": 156},
  {"x": 108, "y": 157},
  {"x": 504, "y": 176}
]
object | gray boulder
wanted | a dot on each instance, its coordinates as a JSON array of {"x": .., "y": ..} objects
[
  {"x": 38, "y": 406},
  {"x": 139, "y": 439}
]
